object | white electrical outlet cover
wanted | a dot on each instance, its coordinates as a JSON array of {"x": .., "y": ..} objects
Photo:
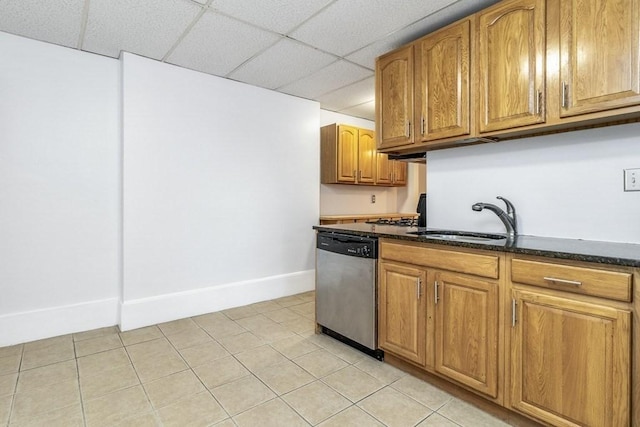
[{"x": 632, "y": 179}]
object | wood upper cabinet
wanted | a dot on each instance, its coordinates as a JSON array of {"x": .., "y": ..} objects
[
  {"x": 570, "y": 361},
  {"x": 599, "y": 48},
  {"x": 399, "y": 173},
  {"x": 394, "y": 98},
  {"x": 467, "y": 330},
  {"x": 401, "y": 311},
  {"x": 443, "y": 83},
  {"x": 367, "y": 156},
  {"x": 384, "y": 168},
  {"x": 511, "y": 65}
]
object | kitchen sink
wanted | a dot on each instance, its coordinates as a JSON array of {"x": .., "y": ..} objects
[{"x": 460, "y": 236}]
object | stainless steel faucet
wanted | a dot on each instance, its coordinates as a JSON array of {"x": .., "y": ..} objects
[{"x": 508, "y": 218}]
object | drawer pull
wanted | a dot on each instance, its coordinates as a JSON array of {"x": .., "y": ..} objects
[{"x": 563, "y": 281}]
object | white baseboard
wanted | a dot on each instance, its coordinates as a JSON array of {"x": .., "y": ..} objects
[
  {"x": 164, "y": 308},
  {"x": 51, "y": 322}
]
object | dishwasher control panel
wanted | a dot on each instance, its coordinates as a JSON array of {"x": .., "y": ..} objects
[{"x": 357, "y": 246}]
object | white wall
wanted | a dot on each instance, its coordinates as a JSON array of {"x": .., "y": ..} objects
[
  {"x": 340, "y": 199},
  {"x": 220, "y": 191},
  {"x": 59, "y": 192},
  {"x": 566, "y": 185}
]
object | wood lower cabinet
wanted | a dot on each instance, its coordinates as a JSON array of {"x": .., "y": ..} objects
[
  {"x": 394, "y": 98},
  {"x": 570, "y": 361},
  {"x": 401, "y": 311},
  {"x": 599, "y": 48},
  {"x": 467, "y": 330}
]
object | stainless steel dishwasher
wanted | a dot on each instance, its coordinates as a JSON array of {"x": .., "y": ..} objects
[{"x": 346, "y": 271}]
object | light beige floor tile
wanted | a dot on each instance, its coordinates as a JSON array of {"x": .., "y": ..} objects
[
  {"x": 147, "y": 349},
  {"x": 468, "y": 415},
  {"x": 294, "y": 346},
  {"x": 189, "y": 338},
  {"x": 265, "y": 306},
  {"x": 284, "y": 377},
  {"x": 34, "y": 357},
  {"x": 8, "y": 384},
  {"x": 256, "y": 321},
  {"x": 99, "y": 363},
  {"x": 320, "y": 363},
  {"x": 343, "y": 351},
  {"x": 208, "y": 319},
  {"x": 97, "y": 345},
  {"x": 300, "y": 326},
  {"x": 436, "y": 420},
  {"x": 142, "y": 420},
  {"x": 223, "y": 328},
  {"x": 203, "y": 353},
  {"x": 352, "y": 383},
  {"x": 47, "y": 375},
  {"x": 282, "y": 315},
  {"x": 10, "y": 364},
  {"x": 289, "y": 301},
  {"x": 394, "y": 408},
  {"x": 95, "y": 333},
  {"x": 170, "y": 389},
  {"x": 220, "y": 372},
  {"x": 351, "y": 417},
  {"x": 316, "y": 402},
  {"x": 381, "y": 371},
  {"x": 306, "y": 309},
  {"x": 45, "y": 399},
  {"x": 13, "y": 350},
  {"x": 116, "y": 407},
  {"x": 430, "y": 396},
  {"x": 69, "y": 416},
  {"x": 197, "y": 410},
  {"x": 5, "y": 409},
  {"x": 139, "y": 335},
  {"x": 48, "y": 342},
  {"x": 109, "y": 381},
  {"x": 242, "y": 394},
  {"x": 226, "y": 423},
  {"x": 260, "y": 357},
  {"x": 240, "y": 312},
  {"x": 241, "y": 342},
  {"x": 270, "y": 333},
  {"x": 152, "y": 368},
  {"x": 177, "y": 326},
  {"x": 274, "y": 413}
]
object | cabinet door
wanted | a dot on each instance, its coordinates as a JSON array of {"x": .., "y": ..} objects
[
  {"x": 599, "y": 46},
  {"x": 570, "y": 361},
  {"x": 467, "y": 331},
  {"x": 442, "y": 76},
  {"x": 383, "y": 169},
  {"x": 347, "y": 153},
  {"x": 402, "y": 311},
  {"x": 366, "y": 156},
  {"x": 511, "y": 58},
  {"x": 399, "y": 173},
  {"x": 394, "y": 98}
]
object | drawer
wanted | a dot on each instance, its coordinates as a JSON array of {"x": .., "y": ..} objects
[
  {"x": 485, "y": 265},
  {"x": 581, "y": 280}
]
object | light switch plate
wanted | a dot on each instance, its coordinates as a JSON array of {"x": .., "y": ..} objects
[{"x": 632, "y": 180}]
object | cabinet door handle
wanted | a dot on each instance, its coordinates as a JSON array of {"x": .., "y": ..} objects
[
  {"x": 435, "y": 291},
  {"x": 359, "y": 175},
  {"x": 354, "y": 174},
  {"x": 562, "y": 281},
  {"x": 418, "y": 286},
  {"x": 514, "y": 312},
  {"x": 407, "y": 129},
  {"x": 422, "y": 125},
  {"x": 538, "y": 101},
  {"x": 564, "y": 95}
]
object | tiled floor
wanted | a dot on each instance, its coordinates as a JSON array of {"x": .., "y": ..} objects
[{"x": 256, "y": 365}]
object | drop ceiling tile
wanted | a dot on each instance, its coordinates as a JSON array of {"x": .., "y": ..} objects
[
  {"x": 283, "y": 63},
  {"x": 355, "y": 94},
  {"x": 348, "y": 25},
  {"x": 218, "y": 44},
  {"x": 339, "y": 74},
  {"x": 280, "y": 16},
  {"x": 144, "y": 27},
  {"x": 53, "y": 21},
  {"x": 365, "y": 111}
]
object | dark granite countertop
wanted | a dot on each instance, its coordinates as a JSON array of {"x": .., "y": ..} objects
[{"x": 626, "y": 254}]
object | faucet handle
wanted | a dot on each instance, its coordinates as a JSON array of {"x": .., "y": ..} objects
[{"x": 511, "y": 210}]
